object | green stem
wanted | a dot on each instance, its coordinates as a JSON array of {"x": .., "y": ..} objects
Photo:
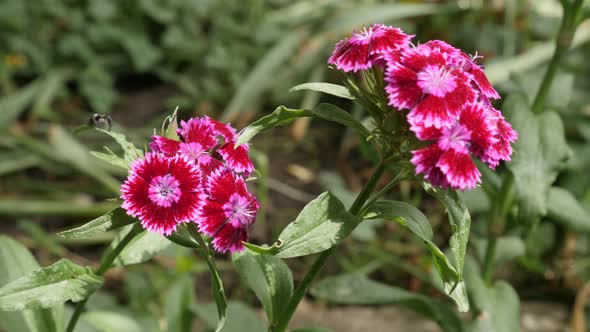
[
  {"x": 497, "y": 223},
  {"x": 569, "y": 23},
  {"x": 104, "y": 266},
  {"x": 216, "y": 282},
  {"x": 302, "y": 288},
  {"x": 400, "y": 176},
  {"x": 488, "y": 264}
]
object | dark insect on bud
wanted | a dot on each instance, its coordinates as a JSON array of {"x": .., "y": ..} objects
[{"x": 102, "y": 121}]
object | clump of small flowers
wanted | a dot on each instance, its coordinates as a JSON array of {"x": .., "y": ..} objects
[
  {"x": 442, "y": 99},
  {"x": 198, "y": 178}
]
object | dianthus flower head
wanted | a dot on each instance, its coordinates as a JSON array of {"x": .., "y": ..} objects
[
  {"x": 227, "y": 210},
  {"x": 459, "y": 59},
  {"x": 162, "y": 192},
  {"x": 367, "y": 47},
  {"x": 428, "y": 82},
  {"x": 479, "y": 131},
  {"x": 202, "y": 137}
]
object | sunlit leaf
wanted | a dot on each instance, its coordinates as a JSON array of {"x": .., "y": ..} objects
[
  {"x": 327, "y": 88},
  {"x": 107, "y": 222},
  {"x": 322, "y": 224}
]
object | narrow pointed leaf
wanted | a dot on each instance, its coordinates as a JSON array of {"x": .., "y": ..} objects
[
  {"x": 334, "y": 113},
  {"x": 281, "y": 116},
  {"x": 410, "y": 217},
  {"x": 107, "y": 222},
  {"x": 460, "y": 222},
  {"x": 130, "y": 152},
  {"x": 327, "y": 88}
]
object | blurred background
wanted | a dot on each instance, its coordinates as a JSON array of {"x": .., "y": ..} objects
[{"x": 61, "y": 61}]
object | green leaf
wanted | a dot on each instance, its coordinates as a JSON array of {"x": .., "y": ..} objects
[
  {"x": 410, "y": 217},
  {"x": 266, "y": 250},
  {"x": 170, "y": 126},
  {"x": 359, "y": 290},
  {"x": 259, "y": 80},
  {"x": 107, "y": 222},
  {"x": 279, "y": 117},
  {"x": 15, "y": 262},
  {"x": 109, "y": 321},
  {"x": 327, "y": 88},
  {"x": 69, "y": 150},
  {"x": 498, "y": 305},
  {"x": 131, "y": 153},
  {"x": 565, "y": 208},
  {"x": 540, "y": 153},
  {"x": 322, "y": 224},
  {"x": 178, "y": 304},
  {"x": 460, "y": 222},
  {"x": 142, "y": 247},
  {"x": 240, "y": 317},
  {"x": 270, "y": 279},
  {"x": 334, "y": 113},
  {"x": 49, "y": 286},
  {"x": 111, "y": 158}
]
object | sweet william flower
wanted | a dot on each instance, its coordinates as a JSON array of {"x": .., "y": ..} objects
[
  {"x": 479, "y": 131},
  {"x": 459, "y": 59},
  {"x": 367, "y": 47},
  {"x": 162, "y": 192},
  {"x": 227, "y": 210},
  {"x": 202, "y": 137},
  {"x": 427, "y": 81}
]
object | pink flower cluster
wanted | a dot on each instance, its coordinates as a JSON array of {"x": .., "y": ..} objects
[
  {"x": 200, "y": 179},
  {"x": 448, "y": 98}
]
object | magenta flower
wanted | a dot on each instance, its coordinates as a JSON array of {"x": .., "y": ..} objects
[
  {"x": 367, "y": 47},
  {"x": 201, "y": 137},
  {"x": 479, "y": 131},
  {"x": 427, "y": 82},
  {"x": 461, "y": 60},
  {"x": 227, "y": 210},
  {"x": 162, "y": 192}
]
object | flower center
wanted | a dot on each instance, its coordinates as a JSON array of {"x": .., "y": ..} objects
[
  {"x": 164, "y": 190},
  {"x": 237, "y": 210},
  {"x": 456, "y": 137},
  {"x": 436, "y": 81},
  {"x": 191, "y": 150}
]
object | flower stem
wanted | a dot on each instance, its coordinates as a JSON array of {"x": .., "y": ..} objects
[
  {"x": 104, "y": 266},
  {"x": 302, "y": 288},
  {"x": 496, "y": 223},
  {"x": 216, "y": 282},
  {"x": 565, "y": 36}
]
